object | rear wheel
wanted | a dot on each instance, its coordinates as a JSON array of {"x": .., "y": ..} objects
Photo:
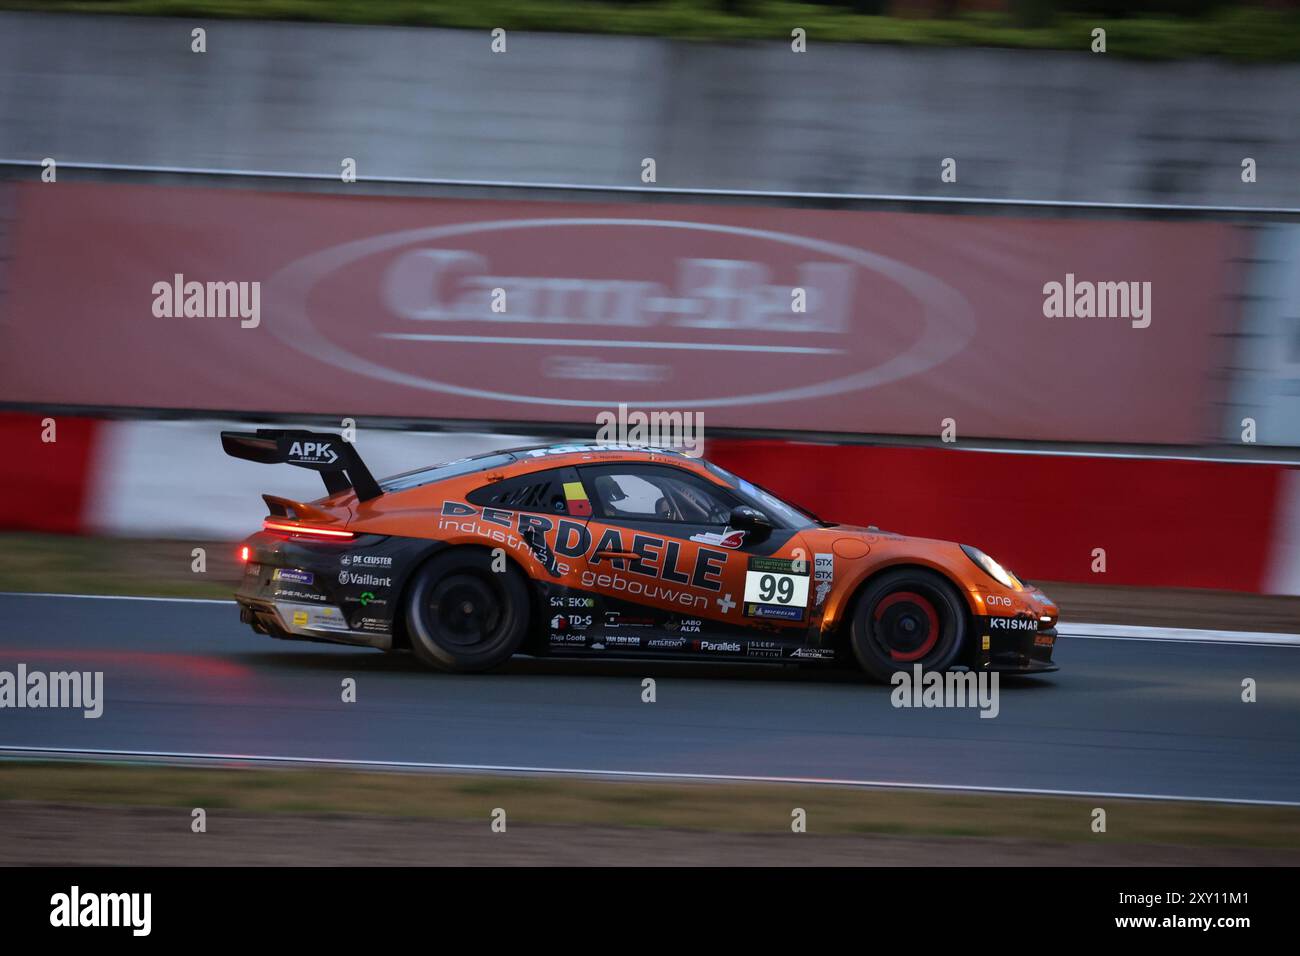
[
  {"x": 463, "y": 616},
  {"x": 907, "y": 617}
]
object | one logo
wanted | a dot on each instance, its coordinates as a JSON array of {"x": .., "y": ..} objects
[{"x": 367, "y": 597}]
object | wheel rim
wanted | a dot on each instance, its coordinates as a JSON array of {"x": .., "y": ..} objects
[
  {"x": 907, "y": 625},
  {"x": 465, "y": 610}
]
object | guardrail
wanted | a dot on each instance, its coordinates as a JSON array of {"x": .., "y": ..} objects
[{"x": 432, "y": 186}]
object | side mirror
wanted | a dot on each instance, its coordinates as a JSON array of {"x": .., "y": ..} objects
[{"x": 750, "y": 520}]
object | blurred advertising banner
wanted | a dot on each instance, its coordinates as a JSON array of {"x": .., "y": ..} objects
[
  {"x": 1265, "y": 389},
  {"x": 761, "y": 318}
]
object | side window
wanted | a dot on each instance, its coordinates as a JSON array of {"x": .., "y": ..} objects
[
  {"x": 656, "y": 493},
  {"x": 540, "y": 491}
]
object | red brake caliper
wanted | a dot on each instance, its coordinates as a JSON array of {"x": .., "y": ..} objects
[{"x": 926, "y": 609}]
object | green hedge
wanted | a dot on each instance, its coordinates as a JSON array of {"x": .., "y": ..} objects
[{"x": 1238, "y": 33}]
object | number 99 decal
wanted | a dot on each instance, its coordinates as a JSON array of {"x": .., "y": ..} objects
[{"x": 770, "y": 586}]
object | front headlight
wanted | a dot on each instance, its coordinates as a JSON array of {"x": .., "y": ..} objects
[{"x": 994, "y": 570}]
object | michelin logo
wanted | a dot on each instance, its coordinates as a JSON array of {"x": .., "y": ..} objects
[{"x": 290, "y": 574}]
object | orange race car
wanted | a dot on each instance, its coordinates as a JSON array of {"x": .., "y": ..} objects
[{"x": 613, "y": 550}]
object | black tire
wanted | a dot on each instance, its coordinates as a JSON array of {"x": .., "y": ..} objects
[
  {"x": 907, "y": 617},
  {"x": 462, "y": 616}
]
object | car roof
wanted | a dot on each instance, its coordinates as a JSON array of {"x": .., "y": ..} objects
[
  {"x": 514, "y": 461},
  {"x": 588, "y": 449}
]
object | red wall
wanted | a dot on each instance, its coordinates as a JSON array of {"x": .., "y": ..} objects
[{"x": 1162, "y": 523}]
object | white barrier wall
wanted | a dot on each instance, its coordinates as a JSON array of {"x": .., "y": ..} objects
[{"x": 173, "y": 478}]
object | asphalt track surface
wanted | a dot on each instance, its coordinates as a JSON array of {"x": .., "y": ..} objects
[{"x": 1135, "y": 717}]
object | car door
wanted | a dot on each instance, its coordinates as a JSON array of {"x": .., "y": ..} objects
[
  {"x": 550, "y": 511},
  {"x": 670, "y": 572}
]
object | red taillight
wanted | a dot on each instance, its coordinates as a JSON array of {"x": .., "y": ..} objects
[
  {"x": 306, "y": 530},
  {"x": 244, "y": 554}
]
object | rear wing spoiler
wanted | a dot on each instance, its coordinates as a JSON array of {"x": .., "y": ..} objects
[{"x": 337, "y": 461}]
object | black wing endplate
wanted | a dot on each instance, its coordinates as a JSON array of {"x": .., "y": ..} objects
[{"x": 337, "y": 460}]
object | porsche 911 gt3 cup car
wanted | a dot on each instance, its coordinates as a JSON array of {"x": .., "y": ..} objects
[{"x": 613, "y": 550}]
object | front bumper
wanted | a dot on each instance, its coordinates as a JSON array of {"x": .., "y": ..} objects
[{"x": 1021, "y": 651}]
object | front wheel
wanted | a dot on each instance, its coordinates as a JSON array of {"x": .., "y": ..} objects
[
  {"x": 463, "y": 616},
  {"x": 907, "y": 617}
]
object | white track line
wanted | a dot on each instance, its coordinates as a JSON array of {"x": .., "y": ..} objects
[
  {"x": 116, "y": 597},
  {"x": 1185, "y": 635},
  {"x": 407, "y": 765},
  {"x": 1097, "y": 632}
]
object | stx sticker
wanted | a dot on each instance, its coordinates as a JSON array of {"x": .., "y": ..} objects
[{"x": 824, "y": 575}]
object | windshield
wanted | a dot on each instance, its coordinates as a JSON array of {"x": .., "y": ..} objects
[{"x": 781, "y": 512}]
